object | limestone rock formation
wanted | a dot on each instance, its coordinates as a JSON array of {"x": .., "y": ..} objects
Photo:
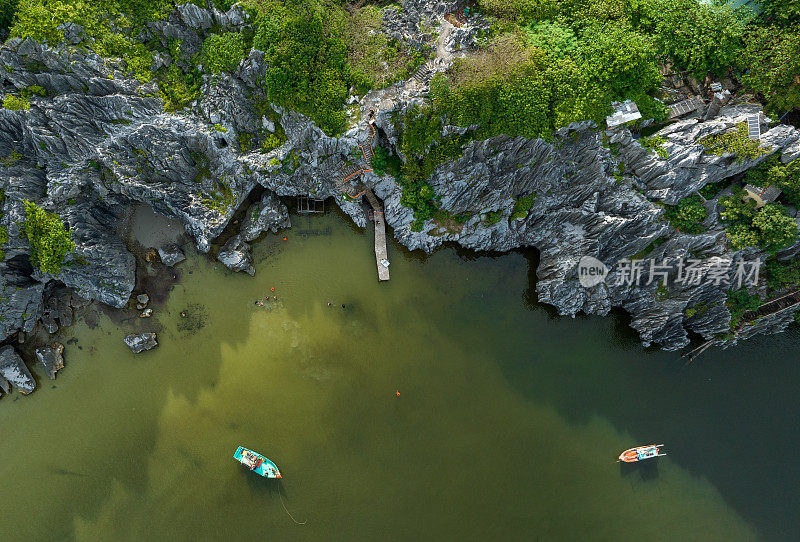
[
  {"x": 14, "y": 373},
  {"x": 235, "y": 255},
  {"x": 142, "y": 300},
  {"x": 269, "y": 214},
  {"x": 51, "y": 357},
  {"x": 171, "y": 255},
  {"x": 101, "y": 142},
  {"x": 139, "y": 342}
]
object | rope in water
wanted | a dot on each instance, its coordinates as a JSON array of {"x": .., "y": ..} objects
[{"x": 290, "y": 514}]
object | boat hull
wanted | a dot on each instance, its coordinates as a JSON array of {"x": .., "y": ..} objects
[
  {"x": 640, "y": 453},
  {"x": 262, "y": 466}
]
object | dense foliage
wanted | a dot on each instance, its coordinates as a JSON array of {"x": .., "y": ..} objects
[
  {"x": 783, "y": 13},
  {"x": 688, "y": 215},
  {"x": 544, "y": 64},
  {"x": 773, "y": 172},
  {"x": 769, "y": 227},
  {"x": 307, "y": 58},
  {"x": 223, "y": 52},
  {"x": 739, "y": 302},
  {"x": 772, "y": 57},
  {"x": 383, "y": 162},
  {"x": 49, "y": 240},
  {"x": 782, "y": 274},
  {"x": 7, "y": 9},
  {"x": 736, "y": 142}
]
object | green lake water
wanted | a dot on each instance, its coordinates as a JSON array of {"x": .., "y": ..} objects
[{"x": 508, "y": 424}]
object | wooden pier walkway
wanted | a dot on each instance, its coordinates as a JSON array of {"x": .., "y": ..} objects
[
  {"x": 349, "y": 172},
  {"x": 381, "y": 254},
  {"x": 771, "y": 307},
  {"x": 791, "y": 299}
]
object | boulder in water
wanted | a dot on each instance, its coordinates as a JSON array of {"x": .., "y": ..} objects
[
  {"x": 139, "y": 342},
  {"x": 171, "y": 255},
  {"x": 235, "y": 255},
  {"x": 142, "y": 300},
  {"x": 13, "y": 372},
  {"x": 267, "y": 214},
  {"x": 52, "y": 358}
]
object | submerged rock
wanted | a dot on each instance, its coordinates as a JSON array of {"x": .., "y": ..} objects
[
  {"x": 235, "y": 255},
  {"x": 139, "y": 342},
  {"x": 14, "y": 373},
  {"x": 142, "y": 300},
  {"x": 51, "y": 357},
  {"x": 171, "y": 255}
]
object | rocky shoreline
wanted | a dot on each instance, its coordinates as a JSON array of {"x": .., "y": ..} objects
[{"x": 99, "y": 144}]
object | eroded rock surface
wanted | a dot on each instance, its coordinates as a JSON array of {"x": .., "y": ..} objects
[
  {"x": 269, "y": 214},
  {"x": 171, "y": 255},
  {"x": 13, "y": 372},
  {"x": 100, "y": 142},
  {"x": 139, "y": 342},
  {"x": 235, "y": 255},
  {"x": 51, "y": 357}
]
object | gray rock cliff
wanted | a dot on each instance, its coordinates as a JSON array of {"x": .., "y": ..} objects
[{"x": 100, "y": 142}]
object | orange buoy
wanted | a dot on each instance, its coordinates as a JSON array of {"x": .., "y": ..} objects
[
  {"x": 272, "y": 289},
  {"x": 284, "y": 238},
  {"x": 397, "y": 394}
]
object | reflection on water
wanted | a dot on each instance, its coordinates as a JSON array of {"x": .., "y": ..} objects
[{"x": 508, "y": 424}]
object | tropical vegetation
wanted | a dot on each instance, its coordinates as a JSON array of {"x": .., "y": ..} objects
[{"x": 49, "y": 239}]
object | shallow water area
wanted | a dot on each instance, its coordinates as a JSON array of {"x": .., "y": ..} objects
[{"x": 507, "y": 427}]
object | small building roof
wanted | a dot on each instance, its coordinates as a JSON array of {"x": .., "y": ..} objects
[
  {"x": 769, "y": 193},
  {"x": 623, "y": 112},
  {"x": 685, "y": 106}
]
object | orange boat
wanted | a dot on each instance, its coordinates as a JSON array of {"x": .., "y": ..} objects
[{"x": 641, "y": 452}]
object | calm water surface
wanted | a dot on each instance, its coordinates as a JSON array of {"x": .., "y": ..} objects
[{"x": 507, "y": 428}]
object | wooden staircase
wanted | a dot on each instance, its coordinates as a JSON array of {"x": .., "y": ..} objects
[
  {"x": 425, "y": 73},
  {"x": 351, "y": 171},
  {"x": 771, "y": 307}
]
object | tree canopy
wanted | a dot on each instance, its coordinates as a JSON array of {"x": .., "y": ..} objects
[{"x": 49, "y": 240}]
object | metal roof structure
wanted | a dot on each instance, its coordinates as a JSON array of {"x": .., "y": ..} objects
[
  {"x": 686, "y": 106},
  {"x": 623, "y": 112},
  {"x": 754, "y": 126}
]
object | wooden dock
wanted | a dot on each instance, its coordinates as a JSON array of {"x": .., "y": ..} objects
[
  {"x": 381, "y": 254},
  {"x": 380, "y": 245}
]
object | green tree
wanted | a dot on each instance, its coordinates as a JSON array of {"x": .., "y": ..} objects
[
  {"x": 307, "y": 60},
  {"x": 7, "y": 10},
  {"x": 49, "y": 240},
  {"x": 619, "y": 61},
  {"x": 736, "y": 208},
  {"x": 781, "y": 12},
  {"x": 772, "y": 57},
  {"x": 784, "y": 176},
  {"x": 223, "y": 52},
  {"x": 739, "y": 302},
  {"x": 700, "y": 37},
  {"x": 742, "y": 236},
  {"x": 688, "y": 215},
  {"x": 776, "y": 229},
  {"x": 782, "y": 274},
  {"x": 556, "y": 39}
]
